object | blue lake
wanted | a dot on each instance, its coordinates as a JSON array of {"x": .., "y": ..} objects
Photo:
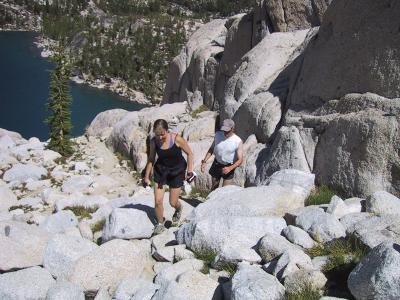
[{"x": 24, "y": 89}]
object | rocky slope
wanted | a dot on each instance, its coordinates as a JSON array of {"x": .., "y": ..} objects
[{"x": 83, "y": 228}]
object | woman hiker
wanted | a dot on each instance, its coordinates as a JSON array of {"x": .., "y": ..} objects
[
  {"x": 169, "y": 169},
  {"x": 228, "y": 151}
]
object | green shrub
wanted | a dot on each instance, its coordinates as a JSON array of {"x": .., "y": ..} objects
[
  {"x": 98, "y": 226},
  {"x": 321, "y": 195},
  {"x": 308, "y": 292},
  {"x": 340, "y": 252},
  {"x": 82, "y": 212},
  {"x": 196, "y": 112},
  {"x": 199, "y": 192}
]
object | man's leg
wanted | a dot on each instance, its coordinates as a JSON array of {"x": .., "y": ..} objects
[
  {"x": 214, "y": 183},
  {"x": 226, "y": 182}
]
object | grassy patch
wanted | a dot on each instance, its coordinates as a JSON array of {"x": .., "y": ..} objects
[
  {"x": 321, "y": 195},
  {"x": 25, "y": 208},
  {"x": 196, "y": 112},
  {"x": 98, "y": 226},
  {"x": 82, "y": 212},
  {"x": 229, "y": 267},
  {"x": 340, "y": 252},
  {"x": 308, "y": 292},
  {"x": 199, "y": 192},
  {"x": 207, "y": 256}
]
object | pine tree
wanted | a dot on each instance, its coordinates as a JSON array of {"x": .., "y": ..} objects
[{"x": 59, "y": 121}]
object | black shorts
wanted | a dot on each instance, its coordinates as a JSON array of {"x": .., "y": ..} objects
[
  {"x": 216, "y": 171},
  {"x": 173, "y": 180}
]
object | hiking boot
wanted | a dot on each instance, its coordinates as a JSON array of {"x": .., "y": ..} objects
[
  {"x": 159, "y": 228},
  {"x": 177, "y": 215}
]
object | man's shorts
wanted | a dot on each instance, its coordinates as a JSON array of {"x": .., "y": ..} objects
[{"x": 216, "y": 171}]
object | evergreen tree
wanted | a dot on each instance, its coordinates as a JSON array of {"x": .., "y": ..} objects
[{"x": 59, "y": 121}]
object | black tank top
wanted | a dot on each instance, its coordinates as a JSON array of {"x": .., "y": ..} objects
[{"x": 171, "y": 157}]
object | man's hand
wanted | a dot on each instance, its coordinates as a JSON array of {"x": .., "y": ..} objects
[{"x": 226, "y": 170}]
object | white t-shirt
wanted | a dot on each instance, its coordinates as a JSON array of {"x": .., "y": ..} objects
[{"x": 225, "y": 148}]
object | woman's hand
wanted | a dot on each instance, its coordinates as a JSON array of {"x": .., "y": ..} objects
[{"x": 146, "y": 181}]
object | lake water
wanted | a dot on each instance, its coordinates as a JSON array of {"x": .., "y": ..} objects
[{"x": 24, "y": 89}]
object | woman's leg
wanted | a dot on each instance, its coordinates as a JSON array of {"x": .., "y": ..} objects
[
  {"x": 174, "y": 197},
  {"x": 158, "y": 205}
]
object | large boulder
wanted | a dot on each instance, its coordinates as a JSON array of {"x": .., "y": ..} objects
[
  {"x": 31, "y": 283},
  {"x": 99, "y": 269},
  {"x": 336, "y": 63},
  {"x": 23, "y": 172},
  {"x": 7, "y": 199},
  {"x": 286, "y": 190},
  {"x": 377, "y": 275},
  {"x": 62, "y": 251},
  {"x": 357, "y": 151},
  {"x": 128, "y": 223},
  {"x": 232, "y": 237},
  {"x": 22, "y": 245}
]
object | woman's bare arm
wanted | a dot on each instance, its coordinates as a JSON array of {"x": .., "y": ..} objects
[
  {"x": 181, "y": 143},
  {"x": 151, "y": 157}
]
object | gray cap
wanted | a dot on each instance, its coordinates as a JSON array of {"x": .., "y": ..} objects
[{"x": 227, "y": 125}]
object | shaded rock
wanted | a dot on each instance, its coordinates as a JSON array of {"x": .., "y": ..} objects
[
  {"x": 31, "y": 283},
  {"x": 251, "y": 282},
  {"x": 64, "y": 291},
  {"x": 377, "y": 274},
  {"x": 259, "y": 68},
  {"x": 361, "y": 161},
  {"x": 61, "y": 253},
  {"x": 375, "y": 67},
  {"x": 127, "y": 223},
  {"x": 289, "y": 15}
]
